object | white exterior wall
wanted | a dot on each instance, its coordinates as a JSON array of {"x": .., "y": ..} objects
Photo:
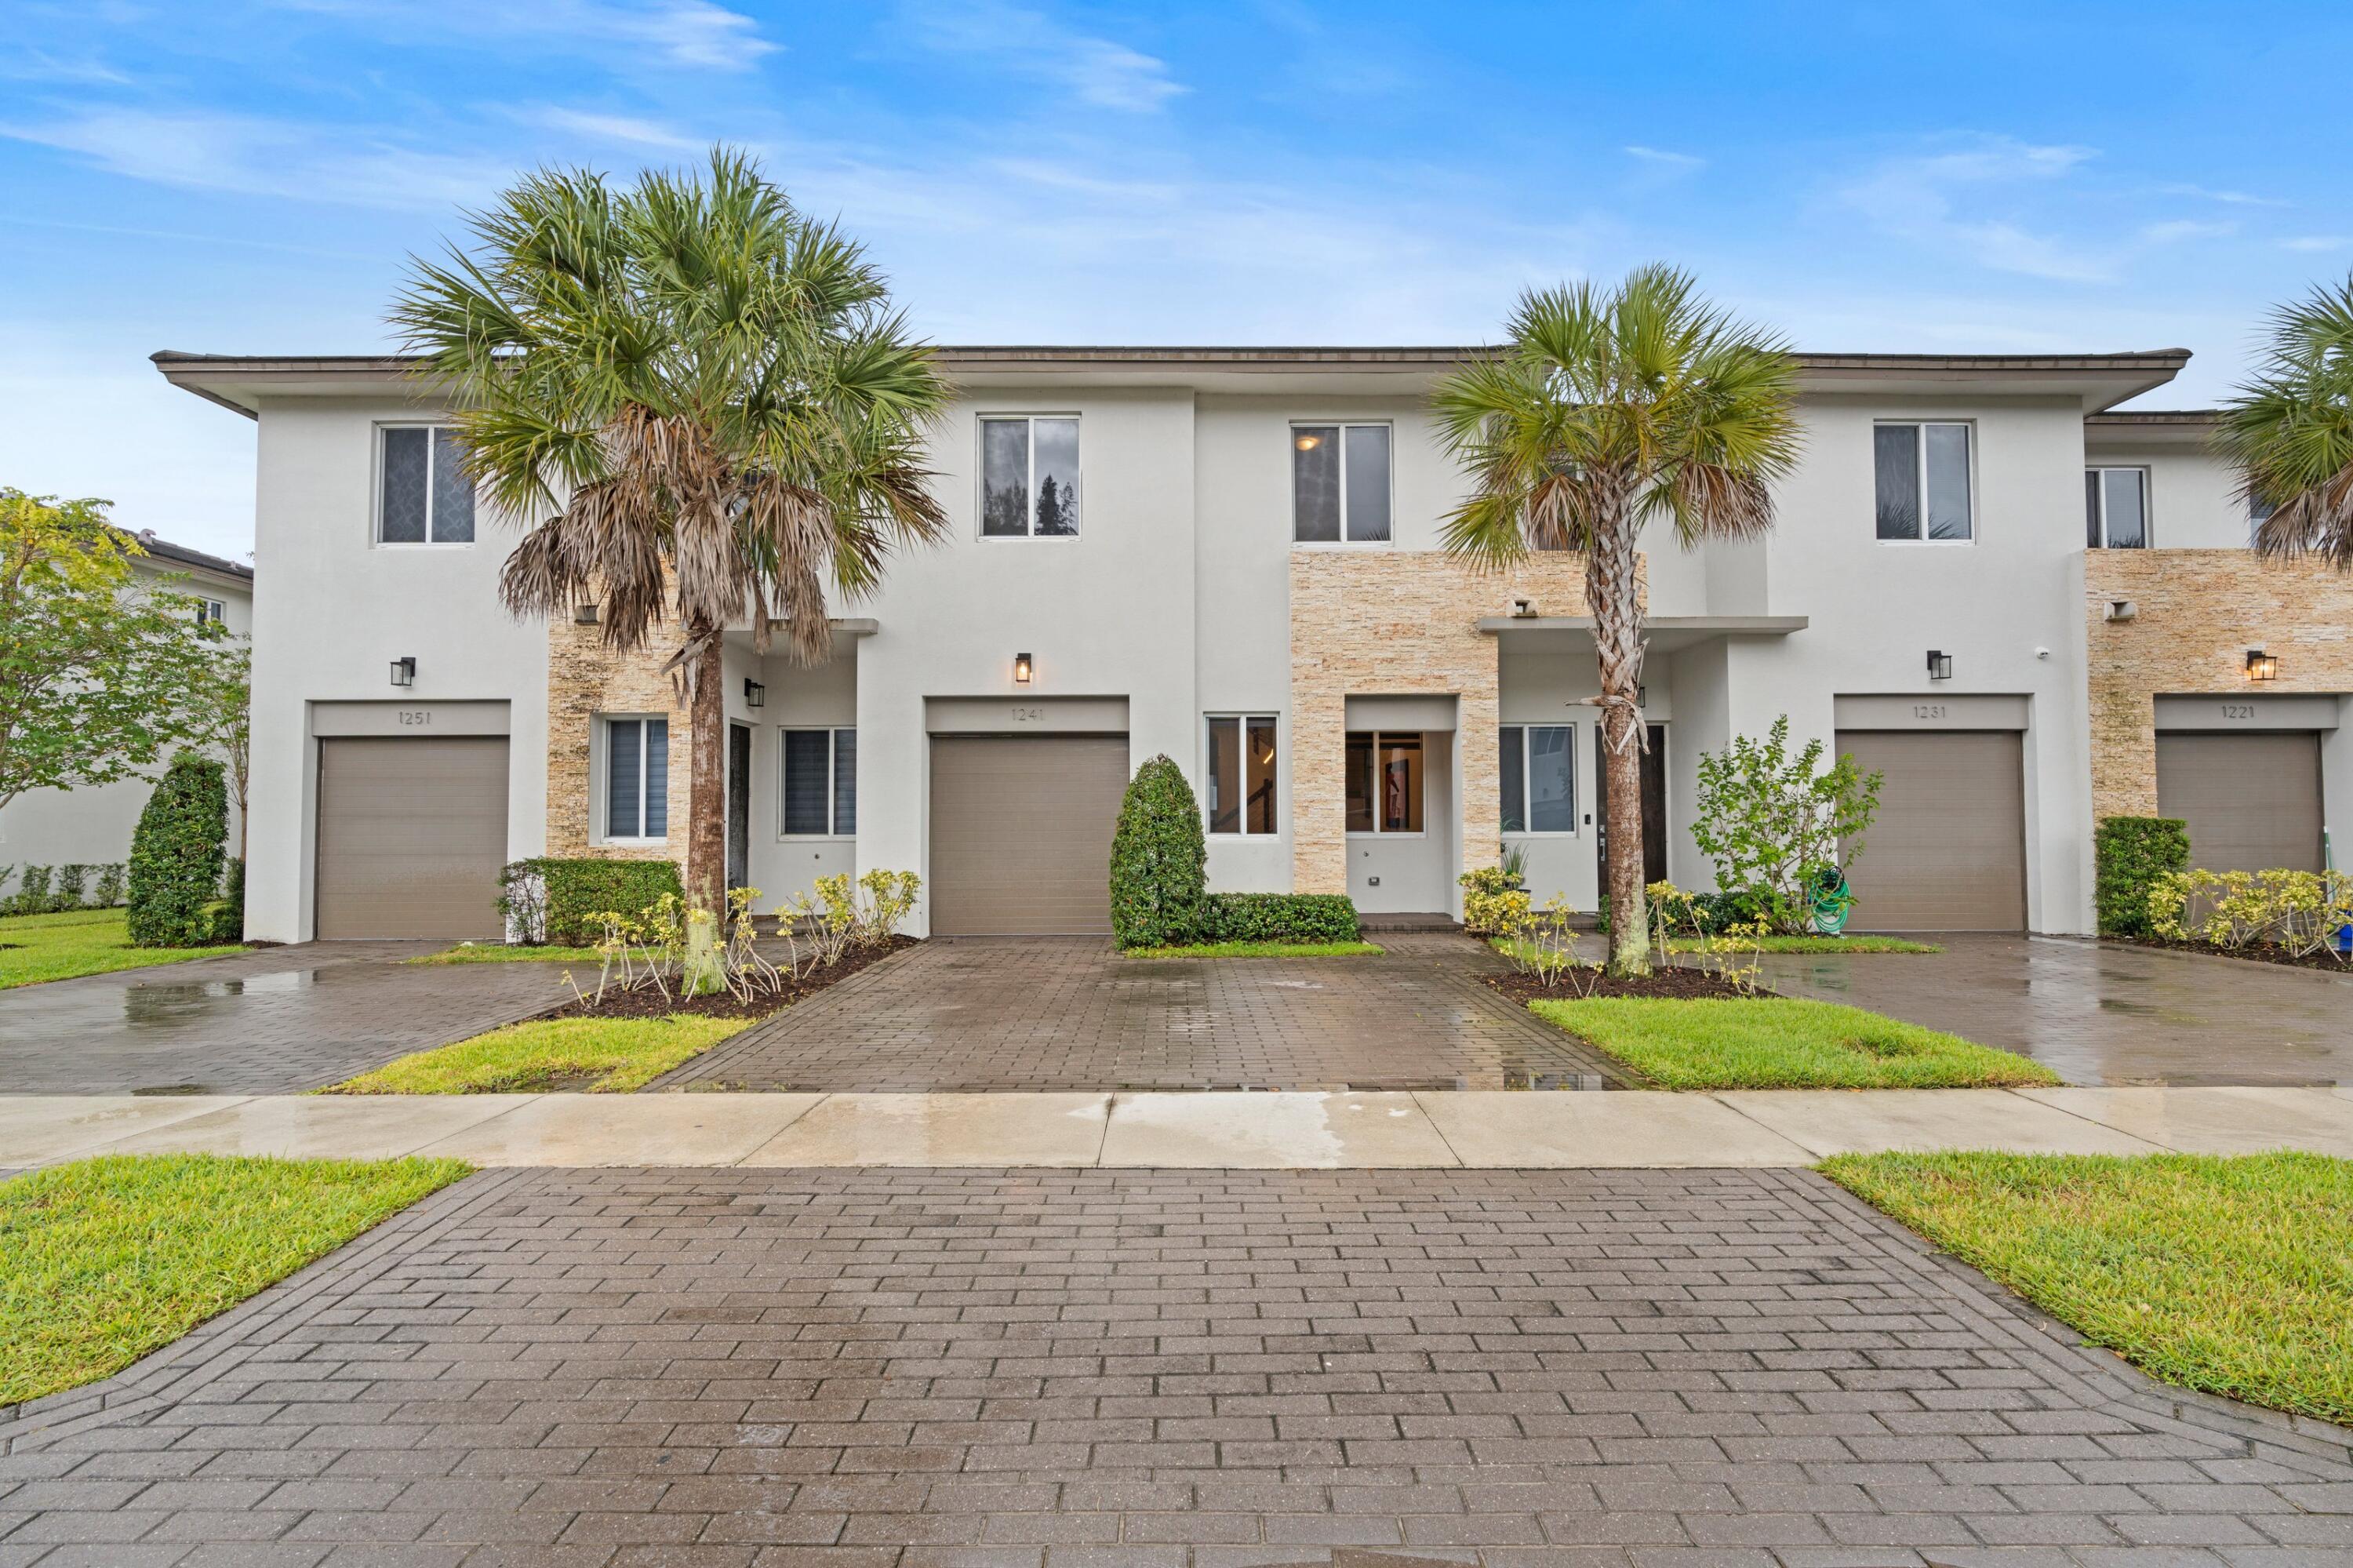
[{"x": 2193, "y": 496}]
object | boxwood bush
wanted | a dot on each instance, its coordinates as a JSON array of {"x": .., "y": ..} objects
[
  {"x": 550, "y": 899},
  {"x": 1159, "y": 861},
  {"x": 1279, "y": 918},
  {"x": 2132, "y": 853},
  {"x": 176, "y": 855}
]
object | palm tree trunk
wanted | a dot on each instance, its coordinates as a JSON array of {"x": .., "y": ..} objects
[
  {"x": 1614, "y": 592},
  {"x": 706, "y": 825}
]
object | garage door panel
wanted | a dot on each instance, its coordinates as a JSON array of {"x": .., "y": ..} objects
[
  {"x": 2252, "y": 801},
  {"x": 1021, "y": 831},
  {"x": 412, "y": 834},
  {"x": 1947, "y": 851}
]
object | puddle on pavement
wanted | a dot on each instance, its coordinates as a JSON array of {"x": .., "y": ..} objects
[{"x": 176, "y": 1004}]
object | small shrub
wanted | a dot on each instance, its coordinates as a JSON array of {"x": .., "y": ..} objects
[
  {"x": 1159, "y": 861},
  {"x": 1277, "y": 917},
  {"x": 563, "y": 902},
  {"x": 108, "y": 893},
  {"x": 1772, "y": 821},
  {"x": 2300, "y": 911},
  {"x": 72, "y": 879},
  {"x": 176, "y": 853},
  {"x": 32, "y": 895},
  {"x": 1731, "y": 949},
  {"x": 1492, "y": 912},
  {"x": 2132, "y": 852},
  {"x": 1541, "y": 941},
  {"x": 224, "y": 916}
]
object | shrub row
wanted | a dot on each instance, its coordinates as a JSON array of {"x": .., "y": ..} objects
[
  {"x": 2132, "y": 855},
  {"x": 553, "y": 900},
  {"x": 1159, "y": 876},
  {"x": 1279, "y": 918},
  {"x": 53, "y": 889}
]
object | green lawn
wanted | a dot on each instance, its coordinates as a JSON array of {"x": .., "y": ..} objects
[
  {"x": 499, "y": 953},
  {"x": 37, "y": 947},
  {"x": 2226, "y": 1275},
  {"x": 104, "y": 1260},
  {"x": 1255, "y": 950},
  {"x": 1783, "y": 1043},
  {"x": 600, "y": 1056}
]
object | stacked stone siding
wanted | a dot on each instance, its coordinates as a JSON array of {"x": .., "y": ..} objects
[
  {"x": 585, "y": 679},
  {"x": 2200, "y": 612},
  {"x": 1380, "y": 623}
]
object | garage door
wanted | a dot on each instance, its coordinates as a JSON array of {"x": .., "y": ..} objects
[
  {"x": 2252, "y": 801},
  {"x": 1021, "y": 831},
  {"x": 411, "y": 836},
  {"x": 1947, "y": 852}
]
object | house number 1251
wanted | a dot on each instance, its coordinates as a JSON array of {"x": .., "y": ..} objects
[{"x": 410, "y": 716}]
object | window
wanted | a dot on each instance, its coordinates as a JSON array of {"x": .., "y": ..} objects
[
  {"x": 426, "y": 498},
  {"x": 1029, "y": 477},
  {"x": 820, "y": 783},
  {"x": 1923, "y": 474},
  {"x": 637, "y": 779},
  {"x": 1340, "y": 484},
  {"x": 2259, "y": 511},
  {"x": 1539, "y": 779},
  {"x": 211, "y": 612},
  {"x": 2116, "y": 508},
  {"x": 1242, "y": 775},
  {"x": 1384, "y": 783}
]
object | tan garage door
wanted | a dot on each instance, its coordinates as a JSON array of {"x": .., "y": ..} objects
[
  {"x": 411, "y": 836},
  {"x": 1948, "y": 850},
  {"x": 1021, "y": 831},
  {"x": 2252, "y": 801}
]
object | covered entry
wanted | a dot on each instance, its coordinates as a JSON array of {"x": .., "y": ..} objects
[
  {"x": 1947, "y": 852},
  {"x": 1020, "y": 830},
  {"x": 412, "y": 834}
]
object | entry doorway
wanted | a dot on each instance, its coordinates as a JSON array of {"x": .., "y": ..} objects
[
  {"x": 1654, "y": 805},
  {"x": 1398, "y": 787},
  {"x": 739, "y": 807}
]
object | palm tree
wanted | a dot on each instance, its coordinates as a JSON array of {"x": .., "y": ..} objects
[
  {"x": 698, "y": 404},
  {"x": 1604, "y": 412},
  {"x": 2289, "y": 430}
]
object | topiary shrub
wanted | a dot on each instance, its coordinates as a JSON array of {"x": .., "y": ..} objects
[
  {"x": 554, "y": 901},
  {"x": 1277, "y": 917},
  {"x": 176, "y": 854},
  {"x": 2131, "y": 854},
  {"x": 1159, "y": 861}
]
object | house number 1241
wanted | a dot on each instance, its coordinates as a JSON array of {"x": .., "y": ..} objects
[{"x": 1028, "y": 715}]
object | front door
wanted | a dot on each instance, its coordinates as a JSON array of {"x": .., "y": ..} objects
[
  {"x": 739, "y": 807},
  {"x": 1654, "y": 805}
]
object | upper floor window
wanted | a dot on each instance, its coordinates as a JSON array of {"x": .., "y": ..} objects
[
  {"x": 637, "y": 779},
  {"x": 1029, "y": 476},
  {"x": 1384, "y": 782},
  {"x": 1340, "y": 484},
  {"x": 1923, "y": 481},
  {"x": 426, "y": 498},
  {"x": 2116, "y": 508},
  {"x": 211, "y": 612},
  {"x": 2259, "y": 511},
  {"x": 1539, "y": 779},
  {"x": 820, "y": 783},
  {"x": 1242, "y": 775}
]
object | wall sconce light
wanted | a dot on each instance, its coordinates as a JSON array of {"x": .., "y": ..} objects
[
  {"x": 1641, "y": 696},
  {"x": 1022, "y": 669},
  {"x": 2261, "y": 666},
  {"x": 583, "y": 614},
  {"x": 1306, "y": 441},
  {"x": 1940, "y": 665},
  {"x": 755, "y": 694},
  {"x": 403, "y": 671}
]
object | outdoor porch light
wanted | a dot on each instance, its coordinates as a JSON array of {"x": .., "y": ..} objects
[
  {"x": 2261, "y": 666},
  {"x": 755, "y": 694},
  {"x": 403, "y": 671},
  {"x": 584, "y": 614},
  {"x": 1940, "y": 665},
  {"x": 1524, "y": 610},
  {"x": 1022, "y": 669}
]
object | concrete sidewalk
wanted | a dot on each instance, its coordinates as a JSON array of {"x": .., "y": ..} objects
[{"x": 1480, "y": 1129}]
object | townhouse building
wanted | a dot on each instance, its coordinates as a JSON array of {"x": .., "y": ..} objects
[{"x": 2025, "y": 609}]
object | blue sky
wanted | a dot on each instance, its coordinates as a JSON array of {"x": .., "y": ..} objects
[{"x": 249, "y": 176}]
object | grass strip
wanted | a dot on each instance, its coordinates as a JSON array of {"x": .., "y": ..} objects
[
  {"x": 598, "y": 1056},
  {"x": 1784, "y": 1042},
  {"x": 38, "y": 947},
  {"x": 2228, "y": 1274},
  {"x": 499, "y": 953},
  {"x": 1256, "y": 950}
]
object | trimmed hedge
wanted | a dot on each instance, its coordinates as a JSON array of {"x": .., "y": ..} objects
[
  {"x": 176, "y": 855},
  {"x": 549, "y": 900},
  {"x": 1279, "y": 918},
  {"x": 224, "y": 916},
  {"x": 2131, "y": 853},
  {"x": 1159, "y": 861}
]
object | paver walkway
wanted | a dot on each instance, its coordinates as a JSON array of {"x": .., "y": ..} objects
[
  {"x": 269, "y": 1021},
  {"x": 1150, "y": 1369},
  {"x": 1013, "y": 1013}
]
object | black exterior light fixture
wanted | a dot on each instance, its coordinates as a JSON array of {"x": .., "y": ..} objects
[
  {"x": 755, "y": 694},
  {"x": 1022, "y": 669},
  {"x": 1940, "y": 665},
  {"x": 583, "y": 614},
  {"x": 403, "y": 671},
  {"x": 2261, "y": 666}
]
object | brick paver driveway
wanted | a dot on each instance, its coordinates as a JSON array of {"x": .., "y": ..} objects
[
  {"x": 2103, "y": 1013},
  {"x": 1069, "y": 1014},
  {"x": 1161, "y": 1370},
  {"x": 271, "y": 1020}
]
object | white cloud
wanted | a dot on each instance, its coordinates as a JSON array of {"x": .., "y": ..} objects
[
  {"x": 1030, "y": 44},
  {"x": 1933, "y": 200},
  {"x": 2316, "y": 242},
  {"x": 695, "y": 35},
  {"x": 2174, "y": 230},
  {"x": 611, "y": 128},
  {"x": 35, "y": 65},
  {"x": 2228, "y": 197},
  {"x": 1657, "y": 158}
]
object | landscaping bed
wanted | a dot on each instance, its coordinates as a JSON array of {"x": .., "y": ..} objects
[
  {"x": 1782, "y": 1043},
  {"x": 2251, "y": 952},
  {"x": 647, "y": 1002},
  {"x": 1668, "y": 982}
]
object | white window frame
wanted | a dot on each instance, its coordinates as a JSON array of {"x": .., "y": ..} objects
[
  {"x": 2255, "y": 518},
  {"x": 1575, "y": 783},
  {"x": 1245, "y": 718},
  {"x": 2147, "y": 519},
  {"x": 1291, "y": 446},
  {"x": 1030, "y": 517},
  {"x": 375, "y": 503},
  {"x": 212, "y": 613},
  {"x": 600, "y": 797},
  {"x": 1378, "y": 831},
  {"x": 833, "y": 734},
  {"x": 1920, "y": 424}
]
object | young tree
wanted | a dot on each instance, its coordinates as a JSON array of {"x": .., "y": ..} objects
[
  {"x": 699, "y": 403},
  {"x": 2289, "y": 430},
  {"x": 220, "y": 711},
  {"x": 1604, "y": 411},
  {"x": 94, "y": 667}
]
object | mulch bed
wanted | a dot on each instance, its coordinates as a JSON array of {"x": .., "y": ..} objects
[
  {"x": 2253, "y": 952},
  {"x": 650, "y": 1004},
  {"x": 1672, "y": 982}
]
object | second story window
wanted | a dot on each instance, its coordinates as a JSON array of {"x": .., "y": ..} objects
[
  {"x": 1921, "y": 475},
  {"x": 1340, "y": 484},
  {"x": 2259, "y": 511},
  {"x": 2116, "y": 508},
  {"x": 211, "y": 612},
  {"x": 1029, "y": 477},
  {"x": 426, "y": 497}
]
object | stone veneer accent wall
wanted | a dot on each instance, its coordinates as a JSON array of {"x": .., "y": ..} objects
[
  {"x": 583, "y": 679},
  {"x": 2200, "y": 610},
  {"x": 1387, "y": 622}
]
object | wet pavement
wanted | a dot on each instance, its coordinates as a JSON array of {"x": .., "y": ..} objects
[
  {"x": 270, "y": 1021},
  {"x": 2100, "y": 1012}
]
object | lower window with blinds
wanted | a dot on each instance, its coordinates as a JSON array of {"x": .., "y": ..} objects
[{"x": 820, "y": 789}]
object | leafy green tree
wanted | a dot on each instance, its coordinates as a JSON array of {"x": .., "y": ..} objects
[
  {"x": 2289, "y": 431},
  {"x": 1771, "y": 822},
  {"x": 94, "y": 665},
  {"x": 700, "y": 405},
  {"x": 176, "y": 855},
  {"x": 1605, "y": 411},
  {"x": 1159, "y": 861},
  {"x": 220, "y": 710}
]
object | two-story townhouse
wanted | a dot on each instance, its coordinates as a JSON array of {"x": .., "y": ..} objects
[{"x": 1232, "y": 555}]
